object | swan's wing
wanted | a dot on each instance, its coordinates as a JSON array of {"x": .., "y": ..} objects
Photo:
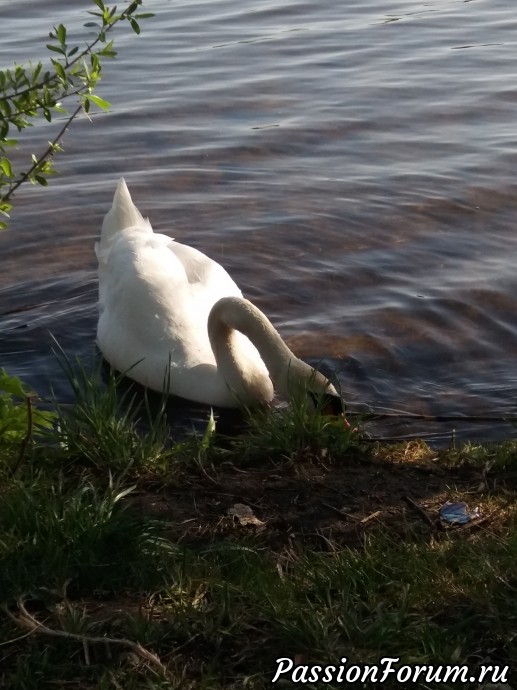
[
  {"x": 207, "y": 282},
  {"x": 155, "y": 296},
  {"x": 203, "y": 273},
  {"x": 162, "y": 290}
]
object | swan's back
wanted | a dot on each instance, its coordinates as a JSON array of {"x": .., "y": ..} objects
[{"x": 155, "y": 296}]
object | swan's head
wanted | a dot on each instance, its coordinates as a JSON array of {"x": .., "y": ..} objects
[
  {"x": 303, "y": 382},
  {"x": 329, "y": 404},
  {"x": 323, "y": 395}
]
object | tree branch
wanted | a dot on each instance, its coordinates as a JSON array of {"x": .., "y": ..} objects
[
  {"x": 26, "y": 621},
  {"x": 48, "y": 153}
]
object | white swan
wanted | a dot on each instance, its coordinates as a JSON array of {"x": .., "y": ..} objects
[{"x": 172, "y": 317}]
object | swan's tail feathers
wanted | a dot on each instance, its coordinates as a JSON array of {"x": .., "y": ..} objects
[{"x": 123, "y": 214}]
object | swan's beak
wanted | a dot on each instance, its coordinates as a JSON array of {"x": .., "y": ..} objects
[{"x": 334, "y": 407}]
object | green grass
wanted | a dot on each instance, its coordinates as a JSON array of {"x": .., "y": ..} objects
[
  {"x": 120, "y": 566},
  {"x": 60, "y": 531},
  {"x": 296, "y": 430},
  {"x": 103, "y": 426}
]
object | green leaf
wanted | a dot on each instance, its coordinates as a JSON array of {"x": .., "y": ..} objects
[
  {"x": 60, "y": 71},
  {"x": 61, "y": 34},
  {"x": 107, "y": 16},
  {"x": 14, "y": 415},
  {"x": 100, "y": 102},
  {"x": 96, "y": 65},
  {"x": 11, "y": 384},
  {"x": 36, "y": 72},
  {"x": 134, "y": 25},
  {"x": 5, "y": 207},
  {"x": 5, "y": 107},
  {"x": 108, "y": 51},
  {"x": 5, "y": 165},
  {"x": 134, "y": 6},
  {"x": 56, "y": 49}
]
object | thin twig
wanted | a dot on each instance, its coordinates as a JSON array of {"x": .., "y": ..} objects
[
  {"x": 372, "y": 516},
  {"x": 420, "y": 511},
  {"x": 54, "y": 78},
  {"x": 46, "y": 81},
  {"x": 16, "y": 639},
  {"x": 199, "y": 464},
  {"x": 338, "y": 511},
  {"x": 48, "y": 153},
  {"x": 28, "y": 622}
]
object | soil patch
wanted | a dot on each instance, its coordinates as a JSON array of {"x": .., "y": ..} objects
[{"x": 323, "y": 506}]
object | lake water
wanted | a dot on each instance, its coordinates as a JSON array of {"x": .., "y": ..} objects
[{"x": 352, "y": 165}]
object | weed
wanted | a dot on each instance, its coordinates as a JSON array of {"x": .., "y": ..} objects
[
  {"x": 59, "y": 531},
  {"x": 300, "y": 428},
  {"x": 106, "y": 427}
]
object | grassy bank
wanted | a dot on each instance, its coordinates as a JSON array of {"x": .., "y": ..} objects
[{"x": 130, "y": 561}]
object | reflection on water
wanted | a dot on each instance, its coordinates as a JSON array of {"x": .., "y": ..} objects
[{"x": 352, "y": 168}]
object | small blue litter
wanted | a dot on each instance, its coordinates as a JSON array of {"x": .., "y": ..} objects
[{"x": 457, "y": 513}]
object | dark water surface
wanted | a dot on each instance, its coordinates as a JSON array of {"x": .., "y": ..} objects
[{"x": 352, "y": 165}]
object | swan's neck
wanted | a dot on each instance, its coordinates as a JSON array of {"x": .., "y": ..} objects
[{"x": 286, "y": 371}]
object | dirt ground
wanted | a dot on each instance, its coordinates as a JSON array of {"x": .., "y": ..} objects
[{"x": 325, "y": 506}]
